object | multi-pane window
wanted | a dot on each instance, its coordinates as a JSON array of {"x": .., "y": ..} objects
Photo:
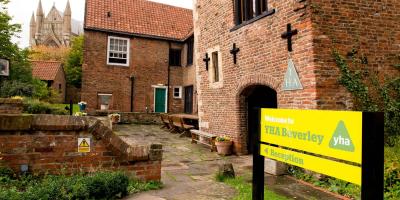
[
  {"x": 175, "y": 57},
  {"x": 118, "y": 51},
  {"x": 215, "y": 66},
  {"x": 190, "y": 45},
  {"x": 177, "y": 92},
  {"x": 248, "y": 9}
]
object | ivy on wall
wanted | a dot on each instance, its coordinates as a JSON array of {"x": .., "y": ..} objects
[{"x": 373, "y": 91}]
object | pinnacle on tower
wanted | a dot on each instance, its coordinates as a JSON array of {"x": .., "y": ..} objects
[
  {"x": 39, "y": 11},
  {"x": 33, "y": 23},
  {"x": 67, "y": 11}
]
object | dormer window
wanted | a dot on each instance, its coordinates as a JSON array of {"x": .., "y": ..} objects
[{"x": 118, "y": 51}]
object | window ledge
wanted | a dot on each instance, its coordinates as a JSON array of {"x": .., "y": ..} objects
[
  {"x": 117, "y": 65},
  {"x": 265, "y": 14}
]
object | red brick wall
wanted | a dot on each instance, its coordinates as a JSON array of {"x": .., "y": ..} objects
[
  {"x": 148, "y": 64},
  {"x": 262, "y": 60},
  {"x": 371, "y": 27},
  {"x": 49, "y": 144},
  {"x": 263, "y": 55}
]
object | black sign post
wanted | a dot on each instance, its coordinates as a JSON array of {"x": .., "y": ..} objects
[
  {"x": 372, "y": 179},
  {"x": 372, "y": 156},
  {"x": 258, "y": 164}
]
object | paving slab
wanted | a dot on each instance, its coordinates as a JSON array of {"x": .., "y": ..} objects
[{"x": 188, "y": 170}]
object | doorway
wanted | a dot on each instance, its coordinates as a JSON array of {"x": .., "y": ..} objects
[
  {"x": 256, "y": 97},
  {"x": 188, "y": 99},
  {"x": 160, "y": 99}
]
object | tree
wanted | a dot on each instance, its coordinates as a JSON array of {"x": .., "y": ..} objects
[
  {"x": 42, "y": 52},
  {"x": 20, "y": 81},
  {"x": 19, "y": 64},
  {"x": 73, "y": 65}
]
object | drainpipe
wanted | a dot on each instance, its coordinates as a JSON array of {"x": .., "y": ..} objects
[
  {"x": 132, "y": 91},
  {"x": 169, "y": 69}
]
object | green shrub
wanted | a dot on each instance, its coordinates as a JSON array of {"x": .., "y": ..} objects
[
  {"x": 34, "y": 106},
  {"x": 16, "y": 88},
  {"x": 107, "y": 185},
  {"x": 392, "y": 170},
  {"x": 100, "y": 185}
]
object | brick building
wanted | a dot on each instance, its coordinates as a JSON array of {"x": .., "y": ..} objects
[
  {"x": 51, "y": 72},
  {"x": 138, "y": 56},
  {"x": 228, "y": 92}
]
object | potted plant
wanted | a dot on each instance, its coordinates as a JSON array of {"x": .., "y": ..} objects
[
  {"x": 82, "y": 106},
  {"x": 224, "y": 145}
]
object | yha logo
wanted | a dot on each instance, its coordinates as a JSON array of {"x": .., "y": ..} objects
[{"x": 341, "y": 139}]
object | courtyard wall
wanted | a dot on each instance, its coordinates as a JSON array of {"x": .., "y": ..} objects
[{"x": 49, "y": 144}]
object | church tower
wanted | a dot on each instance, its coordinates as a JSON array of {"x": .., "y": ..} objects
[
  {"x": 54, "y": 29},
  {"x": 32, "y": 31},
  {"x": 39, "y": 22},
  {"x": 67, "y": 24}
]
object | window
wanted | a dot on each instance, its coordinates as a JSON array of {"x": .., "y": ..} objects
[
  {"x": 190, "y": 44},
  {"x": 59, "y": 88},
  {"x": 118, "y": 51},
  {"x": 104, "y": 101},
  {"x": 248, "y": 9},
  {"x": 177, "y": 92},
  {"x": 215, "y": 66},
  {"x": 175, "y": 57}
]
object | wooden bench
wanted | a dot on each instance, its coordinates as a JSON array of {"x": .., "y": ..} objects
[
  {"x": 204, "y": 138},
  {"x": 165, "y": 121}
]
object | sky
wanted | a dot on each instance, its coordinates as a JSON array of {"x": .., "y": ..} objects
[{"x": 21, "y": 11}]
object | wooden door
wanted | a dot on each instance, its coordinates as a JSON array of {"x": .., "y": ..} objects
[
  {"x": 160, "y": 100},
  {"x": 189, "y": 99}
]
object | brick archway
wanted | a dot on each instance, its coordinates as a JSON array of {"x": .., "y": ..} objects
[{"x": 245, "y": 83}]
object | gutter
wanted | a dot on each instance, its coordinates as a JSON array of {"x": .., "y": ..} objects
[{"x": 135, "y": 34}]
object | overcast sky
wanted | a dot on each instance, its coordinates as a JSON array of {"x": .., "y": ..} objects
[{"x": 21, "y": 11}]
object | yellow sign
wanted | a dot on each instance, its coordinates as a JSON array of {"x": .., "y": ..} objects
[
  {"x": 84, "y": 145},
  {"x": 336, "y": 134},
  {"x": 332, "y": 168}
]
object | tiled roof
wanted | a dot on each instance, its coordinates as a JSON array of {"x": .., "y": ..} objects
[
  {"x": 45, "y": 70},
  {"x": 139, "y": 17}
]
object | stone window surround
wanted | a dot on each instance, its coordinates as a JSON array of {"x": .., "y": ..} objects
[
  {"x": 127, "y": 52},
  {"x": 180, "y": 92},
  {"x": 211, "y": 73}
]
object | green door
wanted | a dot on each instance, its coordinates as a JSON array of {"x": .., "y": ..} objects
[{"x": 160, "y": 100}]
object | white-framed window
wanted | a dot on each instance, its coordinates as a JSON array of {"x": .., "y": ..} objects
[
  {"x": 118, "y": 51},
  {"x": 215, "y": 75},
  {"x": 177, "y": 92}
]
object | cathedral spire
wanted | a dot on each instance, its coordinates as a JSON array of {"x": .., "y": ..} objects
[
  {"x": 67, "y": 11},
  {"x": 39, "y": 11},
  {"x": 32, "y": 30},
  {"x": 33, "y": 23},
  {"x": 67, "y": 24},
  {"x": 39, "y": 21}
]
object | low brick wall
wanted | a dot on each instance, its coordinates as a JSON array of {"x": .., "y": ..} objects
[
  {"x": 11, "y": 106},
  {"x": 140, "y": 118},
  {"x": 48, "y": 143}
]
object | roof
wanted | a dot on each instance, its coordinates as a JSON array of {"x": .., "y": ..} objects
[
  {"x": 46, "y": 70},
  {"x": 140, "y": 18}
]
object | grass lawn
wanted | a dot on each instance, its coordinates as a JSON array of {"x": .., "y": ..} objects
[
  {"x": 62, "y": 106},
  {"x": 244, "y": 190}
]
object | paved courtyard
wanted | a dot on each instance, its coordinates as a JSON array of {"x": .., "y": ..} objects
[{"x": 188, "y": 170}]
